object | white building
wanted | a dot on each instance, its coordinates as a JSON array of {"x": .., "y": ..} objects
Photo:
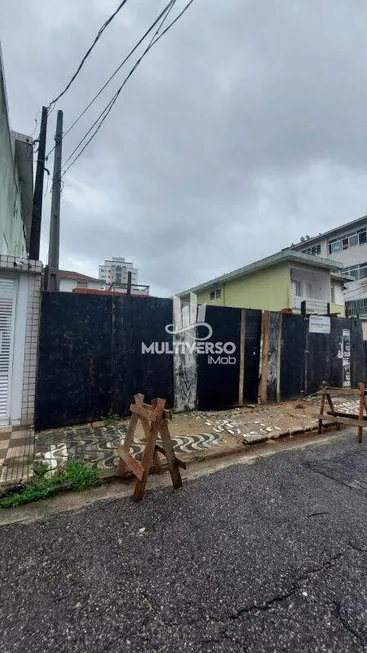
[
  {"x": 20, "y": 283},
  {"x": 115, "y": 271},
  {"x": 348, "y": 245},
  {"x": 70, "y": 280},
  {"x": 75, "y": 281},
  {"x": 16, "y": 182}
]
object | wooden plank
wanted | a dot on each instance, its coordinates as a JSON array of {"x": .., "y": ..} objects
[
  {"x": 360, "y": 411},
  {"x": 128, "y": 442},
  {"x": 146, "y": 463},
  {"x": 322, "y": 408},
  {"x": 150, "y": 415},
  {"x": 129, "y": 460},
  {"x": 173, "y": 466},
  {"x": 339, "y": 391},
  {"x": 241, "y": 379},
  {"x": 265, "y": 324},
  {"x": 149, "y": 449},
  {"x": 178, "y": 461},
  {"x": 156, "y": 461},
  {"x": 332, "y": 409},
  {"x": 342, "y": 420},
  {"x": 139, "y": 399},
  {"x": 160, "y": 449},
  {"x": 341, "y": 414},
  {"x": 279, "y": 356},
  {"x": 167, "y": 411}
]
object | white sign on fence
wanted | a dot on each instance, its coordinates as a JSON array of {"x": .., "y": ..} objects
[{"x": 319, "y": 324}]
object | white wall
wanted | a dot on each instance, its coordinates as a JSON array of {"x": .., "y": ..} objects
[
  {"x": 338, "y": 292},
  {"x": 314, "y": 285},
  {"x": 68, "y": 285},
  {"x": 322, "y": 242},
  {"x": 351, "y": 256},
  {"x": 23, "y": 367},
  {"x": 12, "y": 237}
]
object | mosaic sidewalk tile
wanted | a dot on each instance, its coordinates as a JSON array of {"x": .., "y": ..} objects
[{"x": 102, "y": 450}]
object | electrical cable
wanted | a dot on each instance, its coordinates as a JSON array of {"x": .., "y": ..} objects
[
  {"x": 99, "y": 34},
  {"x": 107, "y": 109},
  {"x": 167, "y": 9},
  {"x": 102, "y": 117}
]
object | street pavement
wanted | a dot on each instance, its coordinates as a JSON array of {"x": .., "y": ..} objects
[{"x": 263, "y": 557}]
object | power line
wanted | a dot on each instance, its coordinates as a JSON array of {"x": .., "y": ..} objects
[
  {"x": 165, "y": 13},
  {"x": 103, "y": 115},
  {"x": 107, "y": 109},
  {"x": 99, "y": 34}
]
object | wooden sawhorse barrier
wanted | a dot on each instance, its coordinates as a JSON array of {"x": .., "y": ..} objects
[
  {"x": 154, "y": 418},
  {"x": 359, "y": 420}
]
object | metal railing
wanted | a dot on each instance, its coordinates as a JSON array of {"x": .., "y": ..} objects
[{"x": 129, "y": 289}]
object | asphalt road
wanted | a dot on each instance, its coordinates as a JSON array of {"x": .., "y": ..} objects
[{"x": 267, "y": 557}]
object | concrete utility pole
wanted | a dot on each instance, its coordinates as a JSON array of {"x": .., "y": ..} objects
[
  {"x": 52, "y": 271},
  {"x": 34, "y": 246}
]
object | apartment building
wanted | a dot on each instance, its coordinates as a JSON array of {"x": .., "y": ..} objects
[
  {"x": 115, "y": 271},
  {"x": 346, "y": 244}
]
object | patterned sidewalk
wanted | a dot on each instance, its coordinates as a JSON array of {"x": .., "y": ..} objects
[
  {"x": 16, "y": 455},
  {"x": 97, "y": 445},
  {"x": 194, "y": 436}
]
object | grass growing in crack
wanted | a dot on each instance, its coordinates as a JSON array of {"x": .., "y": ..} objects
[
  {"x": 76, "y": 475},
  {"x": 110, "y": 419}
]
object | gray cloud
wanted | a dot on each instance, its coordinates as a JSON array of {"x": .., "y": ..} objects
[{"x": 241, "y": 131}]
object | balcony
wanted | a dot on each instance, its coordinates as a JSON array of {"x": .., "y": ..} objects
[
  {"x": 317, "y": 306},
  {"x": 312, "y": 287}
]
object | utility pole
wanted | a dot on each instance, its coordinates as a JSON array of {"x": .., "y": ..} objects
[
  {"x": 34, "y": 246},
  {"x": 129, "y": 275},
  {"x": 52, "y": 271}
]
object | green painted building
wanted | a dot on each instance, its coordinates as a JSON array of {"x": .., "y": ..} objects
[{"x": 279, "y": 282}]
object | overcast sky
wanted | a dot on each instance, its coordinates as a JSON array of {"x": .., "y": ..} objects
[{"x": 242, "y": 130}]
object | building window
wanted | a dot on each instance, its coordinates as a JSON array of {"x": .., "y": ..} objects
[
  {"x": 357, "y": 271},
  {"x": 296, "y": 288},
  {"x": 333, "y": 293},
  {"x": 335, "y": 246},
  {"x": 215, "y": 294},
  {"x": 313, "y": 251},
  {"x": 348, "y": 240},
  {"x": 362, "y": 236},
  {"x": 81, "y": 284}
]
